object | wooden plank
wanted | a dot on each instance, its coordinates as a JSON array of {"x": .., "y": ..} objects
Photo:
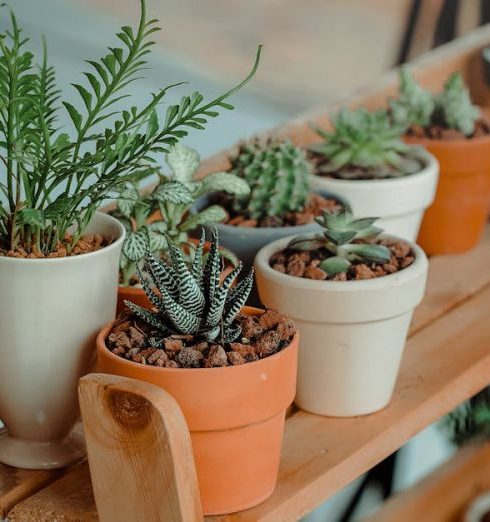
[
  {"x": 142, "y": 467},
  {"x": 445, "y": 493}
]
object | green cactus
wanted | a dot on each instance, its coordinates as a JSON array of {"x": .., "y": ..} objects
[
  {"x": 454, "y": 108},
  {"x": 340, "y": 230},
  {"x": 278, "y": 174},
  {"x": 414, "y": 106},
  {"x": 192, "y": 300},
  {"x": 364, "y": 144}
]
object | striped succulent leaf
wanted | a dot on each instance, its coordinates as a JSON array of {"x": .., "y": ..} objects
[
  {"x": 238, "y": 300},
  {"x": 184, "y": 321},
  {"x": 217, "y": 306},
  {"x": 149, "y": 317},
  {"x": 212, "y": 268},
  {"x": 196, "y": 267},
  {"x": 162, "y": 276}
]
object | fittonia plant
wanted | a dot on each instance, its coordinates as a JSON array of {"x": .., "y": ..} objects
[
  {"x": 364, "y": 144},
  {"x": 54, "y": 181},
  {"x": 192, "y": 300},
  {"x": 340, "y": 232},
  {"x": 171, "y": 201},
  {"x": 452, "y": 108},
  {"x": 278, "y": 174}
]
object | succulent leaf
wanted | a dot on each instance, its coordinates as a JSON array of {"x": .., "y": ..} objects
[{"x": 334, "y": 265}]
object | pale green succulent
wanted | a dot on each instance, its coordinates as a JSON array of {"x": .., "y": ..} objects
[
  {"x": 340, "y": 230},
  {"x": 454, "y": 108},
  {"x": 414, "y": 105},
  {"x": 192, "y": 300},
  {"x": 364, "y": 144},
  {"x": 278, "y": 174},
  {"x": 172, "y": 198}
]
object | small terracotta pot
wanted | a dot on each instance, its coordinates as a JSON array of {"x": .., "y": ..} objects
[
  {"x": 455, "y": 221},
  {"x": 236, "y": 419}
]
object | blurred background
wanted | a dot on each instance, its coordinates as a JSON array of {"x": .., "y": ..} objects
[{"x": 315, "y": 52}]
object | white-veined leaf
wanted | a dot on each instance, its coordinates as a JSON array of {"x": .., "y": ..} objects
[{"x": 183, "y": 161}]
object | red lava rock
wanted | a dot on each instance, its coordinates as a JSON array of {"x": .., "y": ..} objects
[
  {"x": 250, "y": 328},
  {"x": 173, "y": 345},
  {"x": 270, "y": 319},
  {"x": 143, "y": 355},
  {"x": 216, "y": 357},
  {"x": 285, "y": 330},
  {"x": 120, "y": 340},
  {"x": 235, "y": 358},
  {"x": 136, "y": 337},
  {"x": 268, "y": 343},
  {"x": 158, "y": 358},
  {"x": 362, "y": 271},
  {"x": 295, "y": 266},
  {"x": 189, "y": 358},
  {"x": 313, "y": 272},
  {"x": 249, "y": 223},
  {"x": 270, "y": 222},
  {"x": 279, "y": 268},
  {"x": 242, "y": 349}
]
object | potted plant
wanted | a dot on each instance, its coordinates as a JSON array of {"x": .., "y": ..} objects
[
  {"x": 280, "y": 202},
  {"x": 351, "y": 292},
  {"x": 457, "y": 134},
  {"x": 153, "y": 218},
  {"x": 58, "y": 256},
  {"x": 364, "y": 160},
  {"x": 231, "y": 369}
]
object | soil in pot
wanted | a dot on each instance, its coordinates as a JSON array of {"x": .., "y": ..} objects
[
  {"x": 234, "y": 398},
  {"x": 305, "y": 264}
]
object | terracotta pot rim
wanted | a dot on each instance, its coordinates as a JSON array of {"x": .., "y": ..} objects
[
  {"x": 71, "y": 259},
  {"x": 460, "y": 143},
  {"x": 105, "y": 352},
  {"x": 265, "y": 253}
]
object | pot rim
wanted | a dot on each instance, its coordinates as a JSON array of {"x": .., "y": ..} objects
[
  {"x": 249, "y": 310},
  {"x": 54, "y": 260},
  {"x": 431, "y": 165},
  {"x": 262, "y": 263},
  {"x": 459, "y": 143}
]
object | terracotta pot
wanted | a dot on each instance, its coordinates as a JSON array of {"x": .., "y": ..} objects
[
  {"x": 50, "y": 313},
  {"x": 455, "y": 221},
  {"x": 137, "y": 295},
  {"x": 236, "y": 419},
  {"x": 352, "y": 332},
  {"x": 400, "y": 203}
]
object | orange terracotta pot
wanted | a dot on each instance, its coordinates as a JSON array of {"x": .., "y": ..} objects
[
  {"x": 455, "y": 221},
  {"x": 235, "y": 416}
]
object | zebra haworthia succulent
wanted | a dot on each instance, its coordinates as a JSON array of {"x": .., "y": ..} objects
[{"x": 192, "y": 299}]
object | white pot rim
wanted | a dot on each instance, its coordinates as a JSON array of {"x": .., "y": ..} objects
[
  {"x": 67, "y": 259},
  {"x": 401, "y": 277}
]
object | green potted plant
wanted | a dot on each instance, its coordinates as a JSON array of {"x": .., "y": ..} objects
[
  {"x": 364, "y": 160},
  {"x": 59, "y": 257},
  {"x": 231, "y": 369},
  {"x": 456, "y": 132},
  {"x": 351, "y": 292},
  {"x": 153, "y": 218},
  {"x": 280, "y": 202}
]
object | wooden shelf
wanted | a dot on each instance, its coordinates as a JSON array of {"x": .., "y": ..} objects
[{"x": 446, "y": 361}]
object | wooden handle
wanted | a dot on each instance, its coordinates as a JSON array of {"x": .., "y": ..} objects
[{"x": 139, "y": 452}]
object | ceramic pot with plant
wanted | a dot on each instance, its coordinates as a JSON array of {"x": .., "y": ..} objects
[
  {"x": 280, "y": 202},
  {"x": 364, "y": 160},
  {"x": 58, "y": 256},
  {"x": 231, "y": 369},
  {"x": 351, "y": 292},
  {"x": 457, "y": 134},
  {"x": 154, "y": 218}
]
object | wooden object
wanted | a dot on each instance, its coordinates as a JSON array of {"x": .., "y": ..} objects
[
  {"x": 443, "y": 495},
  {"x": 139, "y": 451}
]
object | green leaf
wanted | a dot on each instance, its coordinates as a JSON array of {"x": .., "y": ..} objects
[
  {"x": 307, "y": 243},
  {"x": 212, "y": 214},
  {"x": 127, "y": 200},
  {"x": 334, "y": 265},
  {"x": 223, "y": 182},
  {"x": 373, "y": 253},
  {"x": 75, "y": 116},
  {"x": 173, "y": 192},
  {"x": 31, "y": 217},
  {"x": 135, "y": 245},
  {"x": 183, "y": 161},
  {"x": 156, "y": 241}
]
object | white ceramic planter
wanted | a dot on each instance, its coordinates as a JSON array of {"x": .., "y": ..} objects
[
  {"x": 50, "y": 313},
  {"x": 400, "y": 203},
  {"x": 352, "y": 332}
]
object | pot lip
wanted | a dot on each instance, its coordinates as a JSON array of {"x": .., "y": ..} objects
[
  {"x": 67, "y": 259},
  {"x": 458, "y": 143},
  {"x": 267, "y": 231},
  {"x": 431, "y": 167},
  {"x": 261, "y": 263},
  {"x": 105, "y": 352}
]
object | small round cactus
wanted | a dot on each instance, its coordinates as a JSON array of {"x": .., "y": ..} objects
[{"x": 278, "y": 174}]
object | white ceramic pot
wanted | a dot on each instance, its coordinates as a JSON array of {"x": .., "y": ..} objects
[
  {"x": 352, "y": 332},
  {"x": 50, "y": 313},
  {"x": 400, "y": 203}
]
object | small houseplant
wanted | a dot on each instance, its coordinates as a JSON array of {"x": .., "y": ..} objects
[
  {"x": 351, "y": 292},
  {"x": 364, "y": 160},
  {"x": 280, "y": 202},
  {"x": 152, "y": 218},
  {"x": 456, "y": 133},
  {"x": 231, "y": 369},
  {"x": 52, "y": 182}
]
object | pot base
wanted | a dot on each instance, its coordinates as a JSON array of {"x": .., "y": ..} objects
[{"x": 31, "y": 454}]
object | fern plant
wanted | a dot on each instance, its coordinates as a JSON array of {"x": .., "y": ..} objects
[
  {"x": 192, "y": 300},
  {"x": 53, "y": 181},
  {"x": 278, "y": 174},
  {"x": 340, "y": 230},
  {"x": 171, "y": 200},
  {"x": 364, "y": 144}
]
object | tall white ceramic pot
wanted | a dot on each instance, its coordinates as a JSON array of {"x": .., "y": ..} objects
[
  {"x": 400, "y": 203},
  {"x": 50, "y": 313},
  {"x": 352, "y": 332}
]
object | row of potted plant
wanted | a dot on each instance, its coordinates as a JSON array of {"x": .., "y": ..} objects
[{"x": 325, "y": 272}]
